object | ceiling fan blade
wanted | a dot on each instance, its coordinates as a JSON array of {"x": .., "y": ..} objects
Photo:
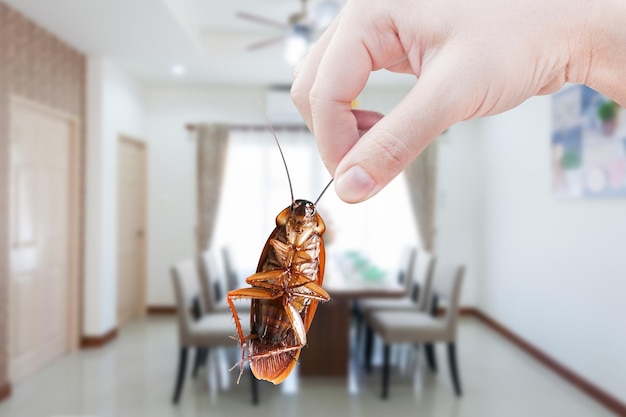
[
  {"x": 262, "y": 20},
  {"x": 265, "y": 43}
]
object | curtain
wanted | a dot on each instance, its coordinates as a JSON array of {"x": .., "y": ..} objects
[
  {"x": 255, "y": 187},
  {"x": 212, "y": 148},
  {"x": 421, "y": 177}
]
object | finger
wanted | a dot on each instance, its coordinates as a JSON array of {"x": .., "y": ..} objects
[
  {"x": 363, "y": 41},
  {"x": 331, "y": 94},
  {"x": 306, "y": 71},
  {"x": 431, "y": 106},
  {"x": 365, "y": 119}
]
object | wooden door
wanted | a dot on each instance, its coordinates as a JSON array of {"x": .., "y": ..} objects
[
  {"x": 40, "y": 237},
  {"x": 131, "y": 230}
]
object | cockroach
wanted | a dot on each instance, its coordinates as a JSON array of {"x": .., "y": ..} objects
[{"x": 285, "y": 290}]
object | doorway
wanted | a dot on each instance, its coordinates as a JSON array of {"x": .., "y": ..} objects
[
  {"x": 131, "y": 221},
  {"x": 44, "y": 235}
]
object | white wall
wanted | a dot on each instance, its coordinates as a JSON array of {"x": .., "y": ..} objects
[
  {"x": 459, "y": 220},
  {"x": 172, "y": 171},
  {"x": 114, "y": 106},
  {"x": 554, "y": 270}
]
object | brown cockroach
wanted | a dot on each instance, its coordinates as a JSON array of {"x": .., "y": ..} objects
[{"x": 285, "y": 290}]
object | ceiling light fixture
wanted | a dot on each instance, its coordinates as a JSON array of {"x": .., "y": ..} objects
[
  {"x": 178, "y": 69},
  {"x": 297, "y": 43},
  {"x": 301, "y": 29},
  {"x": 324, "y": 13}
]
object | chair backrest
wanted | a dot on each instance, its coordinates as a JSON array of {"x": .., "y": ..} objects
[
  {"x": 232, "y": 277},
  {"x": 446, "y": 286},
  {"x": 186, "y": 291},
  {"x": 405, "y": 269},
  {"x": 212, "y": 281},
  {"x": 423, "y": 273}
]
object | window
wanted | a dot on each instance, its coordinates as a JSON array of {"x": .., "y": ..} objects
[{"x": 256, "y": 189}]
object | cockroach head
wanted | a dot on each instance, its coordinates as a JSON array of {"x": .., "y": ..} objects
[{"x": 302, "y": 210}]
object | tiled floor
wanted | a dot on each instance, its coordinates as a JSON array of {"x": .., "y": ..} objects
[{"x": 134, "y": 376}]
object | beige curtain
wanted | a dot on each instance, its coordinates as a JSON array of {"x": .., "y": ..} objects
[
  {"x": 421, "y": 176},
  {"x": 212, "y": 147}
]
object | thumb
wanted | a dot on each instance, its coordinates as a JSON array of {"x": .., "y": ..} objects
[{"x": 382, "y": 153}]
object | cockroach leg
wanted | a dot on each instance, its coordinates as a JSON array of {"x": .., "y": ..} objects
[
  {"x": 247, "y": 293},
  {"x": 243, "y": 293}
]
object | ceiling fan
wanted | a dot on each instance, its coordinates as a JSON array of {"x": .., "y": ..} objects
[{"x": 300, "y": 30}]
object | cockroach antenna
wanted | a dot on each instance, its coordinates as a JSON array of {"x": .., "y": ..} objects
[
  {"x": 293, "y": 201},
  {"x": 323, "y": 191}
]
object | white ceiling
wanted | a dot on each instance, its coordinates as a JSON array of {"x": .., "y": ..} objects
[{"x": 146, "y": 37}]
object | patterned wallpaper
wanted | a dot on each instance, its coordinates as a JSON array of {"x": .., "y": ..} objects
[{"x": 39, "y": 67}]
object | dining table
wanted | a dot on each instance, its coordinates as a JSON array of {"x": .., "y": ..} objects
[{"x": 328, "y": 339}]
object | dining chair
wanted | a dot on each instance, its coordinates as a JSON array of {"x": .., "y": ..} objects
[
  {"x": 213, "y": 297},
  {"x": 421, "y": 327},
  {"x": 232, "y": 277},
  {"x": 207, "y": 331},
  {"x": 418, "y": 269},
  {"x": 420, "y": 282},
  {"x": 405, "y": 276},
  {"x": 212, "y": 283}
]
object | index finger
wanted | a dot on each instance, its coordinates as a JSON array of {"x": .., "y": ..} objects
[
  {"x": 326, "y": 84},
  {"x": 342, "y": 74},
  {"x": 306, "y": 71}
]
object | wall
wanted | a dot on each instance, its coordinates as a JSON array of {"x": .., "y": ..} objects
[
  {"x": 172, "y": 171},
  {"x": 460, "y": 196},
  {"x": 41, "y": 68},
  {"x": 554, "y": 270},
  {"x": 116, "y": 106}
]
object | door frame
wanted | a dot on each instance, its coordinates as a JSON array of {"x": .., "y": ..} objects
[
  {"x": 76, "y": 214},
  {"x": 143, "y": 285}
]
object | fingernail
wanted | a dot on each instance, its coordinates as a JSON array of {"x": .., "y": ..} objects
[{"x": 354, "y": 185}]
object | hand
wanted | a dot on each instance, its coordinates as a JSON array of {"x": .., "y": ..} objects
[{"x": 471, "y": 58}]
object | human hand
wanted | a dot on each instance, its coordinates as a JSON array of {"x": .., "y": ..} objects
[{"x": 471, "y": 58}]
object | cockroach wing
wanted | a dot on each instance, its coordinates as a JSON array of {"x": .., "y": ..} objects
[{"x": 276, "y": 367}]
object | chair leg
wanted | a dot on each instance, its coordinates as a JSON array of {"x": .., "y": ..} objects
[
  {"x": 255, "y": 389},
  {"x": 431, "y": 359},
  {"x": 454, "y": 371},
  {"x": 200, "y": 359},
  {"x": 358, "y": 324},
  {"x": 180, "y": 379},
  {"x": 386, "y": 355},
  {"x": 369, "y": 341}
]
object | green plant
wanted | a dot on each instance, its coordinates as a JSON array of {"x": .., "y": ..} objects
[{"x": 608, "y": 110}]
